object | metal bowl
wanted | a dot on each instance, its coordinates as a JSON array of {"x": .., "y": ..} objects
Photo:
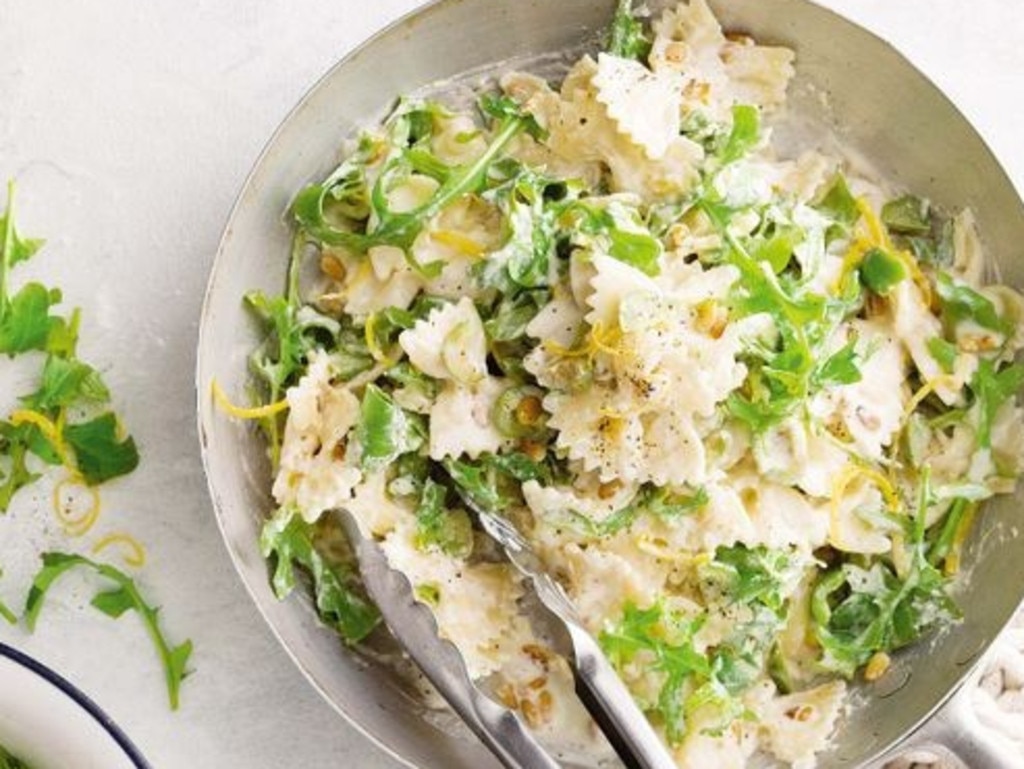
[{"x": 883, "y": 106}]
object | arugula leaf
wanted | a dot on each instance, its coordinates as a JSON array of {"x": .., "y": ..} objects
[
  {"x": 858, "y": 611},
  {"x": 505, "y": 109},
  {"x": 961, "y": 302},
  {"x": 14, "y": 445},
  {"x": 777, "y": 249},
  {"x": 944, "y": 353},
  {"x": 749, "y": 582},
  {"x": 292, "y": 331},
  {"x": 992, "y": 388},
  {"x": 782, "y": 378},
  {"x": 384, "y": 430},
  {"x": 100, "y": 452},
  {"x": 437, "y": 526},
  {"x": 650, "y": 500},
  {"x": 475, "y": 482},
  {"x": 759, "y": 415},
  {"x": 878, "y": 613},
  {"x": 738, "y": 664},
  {"x": 281, "y": 359},
  {"x": 669, "y": 642},
  {"x": 290, "y": 541},
  {"x": 401, "y": 229},
  {"x": 25, "y": 320},
  {"x": 492, "y": 482},
  {"x": 840, "y": 205},
  {"x": 65, "y": 381},
  {"x": 620, "y": 230},
  {"x": 124, "y": 597},
  {"x": 744, "y": 135},
  {"x": 632, "y": 634},
  {"x": 63, "y": 339},
  {"x": 410, "y": 380},
  {"x": 518, "y": 466},
  {"x": 529, "y": 247},
  {"x": 13, "y": 249},
  {"x": 26, "y": 323},
  {"x": 382, "y": 328},
  {"x": 626, "y": 36},
  {"x": 840, "y": 367},
  {"x": 513, "y": 314},
  {"x": 745, "y": 575}
]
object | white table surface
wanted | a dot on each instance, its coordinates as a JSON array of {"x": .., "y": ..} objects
[{"x": 130, "y": 126}]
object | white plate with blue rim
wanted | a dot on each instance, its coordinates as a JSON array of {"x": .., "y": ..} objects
[{"x": 48, "y": 723}]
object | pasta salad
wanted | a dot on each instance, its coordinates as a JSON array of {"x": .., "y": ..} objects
[{"x": 745, "y": 405}]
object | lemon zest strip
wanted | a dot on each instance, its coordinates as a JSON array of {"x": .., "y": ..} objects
[
  {"x": 135, "y": 553},
  {"x": 76, "y": 526},
  {"x": 461, "y": 243},
  {"x": 238, "y": 412}
]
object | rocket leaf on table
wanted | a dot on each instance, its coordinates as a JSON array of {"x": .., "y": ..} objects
[{"x": 124, "y": 596}]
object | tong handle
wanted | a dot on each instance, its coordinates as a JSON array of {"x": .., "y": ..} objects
[
  {"x": 504, "y": 734},
  {"x": 415, "y": 628},
  {"x": 612, "y": 706}
]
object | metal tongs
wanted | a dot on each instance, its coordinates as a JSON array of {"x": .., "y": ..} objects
[{"x": 500, "y": 729}]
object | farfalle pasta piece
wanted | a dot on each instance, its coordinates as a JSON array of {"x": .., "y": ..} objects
[
  {"x": 798, "y": 725},
  {"x": 461, "y": 423},
  {"x": 314, "y": 475},
  {"x": 718, "y": 72},
  {"x": 449, "y": 343},
  {"x": 582, "y": 133},
  {"x": 643, "y": 104}
]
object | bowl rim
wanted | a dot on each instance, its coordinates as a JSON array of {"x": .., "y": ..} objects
[{"x": 79, "y": 697}]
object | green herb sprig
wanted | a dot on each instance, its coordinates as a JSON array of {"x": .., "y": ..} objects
[{"x": 124, "y": 596}]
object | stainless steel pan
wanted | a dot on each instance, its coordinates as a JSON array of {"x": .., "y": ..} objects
[{"x": 885, "y": 107}]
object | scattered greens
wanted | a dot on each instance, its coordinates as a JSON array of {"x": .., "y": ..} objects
[
  {"x": 66, "y": 420},
  {"x": 121, "y": 597}
]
